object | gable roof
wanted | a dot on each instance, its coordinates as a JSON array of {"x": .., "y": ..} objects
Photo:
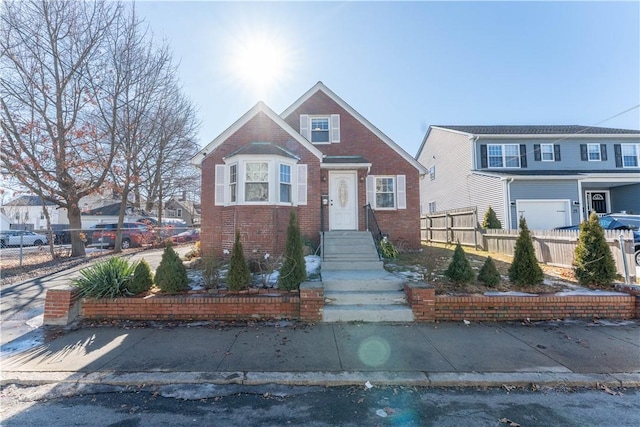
[
  {"x": 260, "y": 107},
  {"x": 335, "y": 98},
  {"x": 524, "y": 131},
  {"x": 28, "y": 201}
]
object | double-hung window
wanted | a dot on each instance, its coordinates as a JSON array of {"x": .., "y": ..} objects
[
  {"x": 507, "y": 155},
  {"x": 546, "y": 152},
  {"x": 285, "y": 183},
  {"x": 630, "y": 155},
  {"x": 319, "y": 129},
  {"x": 233, "y": 183},
  {"x": 385, "y": 192},
  {"x": 256, "y": 182},
  {"x": 593, "y": 152}
]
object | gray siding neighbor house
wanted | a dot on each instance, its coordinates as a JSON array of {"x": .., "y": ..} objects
[{"x": 552, "y": 175}]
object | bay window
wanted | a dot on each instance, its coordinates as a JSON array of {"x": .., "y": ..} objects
[{"x": 260, "y": 180}]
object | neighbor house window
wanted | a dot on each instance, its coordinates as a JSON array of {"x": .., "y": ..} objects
[
  {"x": 630, "y": 155},
  {"x": 179, "y": 213},
  {"x": 385, "y": 192},
  {"x": 256, "y": 182},
  {"x": 233, "y": 183},
  {"x": 507, "y": 155},
  {"x": 42, "y": 215},
  {"x": 285, "y": 183},
  {"x": 593, "y": 152},
  {"x": 546, "y": 152},
  {"x": 319, "y": 129},
  {"x": 432, "y": 173},
  {"x": 432, "y": 207}
]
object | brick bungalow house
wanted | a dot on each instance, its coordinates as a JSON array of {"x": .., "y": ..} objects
[{"x": 319, "y": 157}]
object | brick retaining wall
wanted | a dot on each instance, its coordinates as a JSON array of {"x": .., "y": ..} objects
[
  {"x": 62, "y": 306},
  {"x": 429, "y": 307}
]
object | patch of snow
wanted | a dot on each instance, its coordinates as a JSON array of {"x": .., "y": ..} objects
[
  {"x": 312, "y": 263},
  {"x": 509, "y": 294},
  {"x": 590, "y": 292}
]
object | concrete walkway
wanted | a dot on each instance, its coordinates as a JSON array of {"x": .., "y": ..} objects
[
  {"x": 443, "y": 354},
  {"x": 572, "y": 353}
]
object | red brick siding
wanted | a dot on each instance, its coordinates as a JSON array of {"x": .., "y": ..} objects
[
  {"x": 356, "y": 140},
  {"x": 263, "y": 227}
]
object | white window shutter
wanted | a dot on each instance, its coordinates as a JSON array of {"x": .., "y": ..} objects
[
  {"x": 220, "y": 185},
  {"x": 401, "y": 190},
  {"x": 304, "y": 126},
  {"x": 335, "y": 128},
  {"x": 371, "y": 191},
  {"x": 302, "y": 184}
]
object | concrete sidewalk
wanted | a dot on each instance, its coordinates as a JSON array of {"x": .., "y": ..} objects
[{"x": 442, "y": 354}]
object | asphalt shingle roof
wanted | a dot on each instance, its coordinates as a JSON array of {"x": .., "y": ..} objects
[
  {"x": 538, "y": 130},
  {"x": 267, "y": 148}
]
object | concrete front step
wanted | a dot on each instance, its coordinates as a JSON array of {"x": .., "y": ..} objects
[
  {"x": 367, "y": 313},
  {"x": 352, "y": 265},
  {"x": 360, "y": 280},
  {"x": 365, "y": 298}
]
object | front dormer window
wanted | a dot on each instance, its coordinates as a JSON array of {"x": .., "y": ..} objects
[{"x": 319, "y": 129}]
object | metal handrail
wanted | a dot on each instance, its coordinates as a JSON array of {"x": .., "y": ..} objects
[{"x": 371, "y": 224}]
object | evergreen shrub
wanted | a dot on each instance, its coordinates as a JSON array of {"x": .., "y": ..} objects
[
  {"x": 525, "y": 271},
  {"x": 488, "y": 274},
  {"x": 239, "y": 275},
  {"x": 294, "y": 269},
  {"x": 171, "y": 274},
  {"x": 593, "y": 264},
  {"x": 459, "y": 269},
  {"x": 142, "y": 279},
  {"x": 491, "y": 220}
]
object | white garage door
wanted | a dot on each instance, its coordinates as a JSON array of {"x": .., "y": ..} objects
[{"x": 544, "y": 214}]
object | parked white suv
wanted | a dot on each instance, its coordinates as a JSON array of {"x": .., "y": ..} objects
[{"x": 22, "y": 237}]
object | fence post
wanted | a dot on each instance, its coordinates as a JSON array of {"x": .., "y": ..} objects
[{"x": 624, "y": 260}]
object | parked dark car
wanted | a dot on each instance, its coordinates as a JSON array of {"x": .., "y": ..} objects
[
  {"x": 186, "y": 236},
  {"x": 133, "y": 235},
  {"x": 619, "y": 222}
]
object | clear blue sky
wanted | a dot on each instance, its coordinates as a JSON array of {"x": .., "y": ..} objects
[{"x": 408, "y": 65}]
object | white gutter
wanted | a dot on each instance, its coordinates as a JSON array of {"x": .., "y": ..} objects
[{"x": 507, "y": 201}]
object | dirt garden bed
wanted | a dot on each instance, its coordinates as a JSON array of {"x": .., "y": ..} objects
[{"x": 430, "y": 263}]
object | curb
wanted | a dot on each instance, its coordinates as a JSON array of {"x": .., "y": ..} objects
[{"x": 327, "y": 379}]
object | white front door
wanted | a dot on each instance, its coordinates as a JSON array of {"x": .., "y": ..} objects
[{"x": 343, "y": 198}]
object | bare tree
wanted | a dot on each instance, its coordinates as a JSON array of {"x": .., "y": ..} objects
[
  {"x": 54, "y": 141},
  {"x": 169, "y": 168}
]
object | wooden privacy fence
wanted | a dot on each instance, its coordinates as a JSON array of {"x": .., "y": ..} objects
[
  {"x": 459, "y": 225},
  {"x": 557, "y": 247},
  {"x": 554, "y": 247}
]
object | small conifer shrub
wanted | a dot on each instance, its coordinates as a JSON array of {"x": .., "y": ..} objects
[
  {"x": 525, "y": 271},
  {"x": 488, "y": 274},
  {"x": 593, "y": 265},
  {"x": 459, "y": 269},
  {"x": 239, "y": 275},
  {"x": 294, "y": 269},
  {"x": 171, "y": 274},
  {"x": 491, "y": 220},
  {"x": 142, "y": 278}
]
